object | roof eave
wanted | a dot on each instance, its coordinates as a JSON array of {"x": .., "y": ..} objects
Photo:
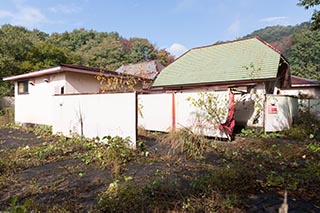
[
  {"x": 304, "y": 85},
  {"x": 33, "y": 74},
  {"x": 235, "y": 82}
]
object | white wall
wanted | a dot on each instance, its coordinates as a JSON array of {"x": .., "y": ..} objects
[
  {"x": 81, "y": 83},
  {"x": 280, "y": 112},
  {"x": 313, "y": 92},
  {"x": 36, "y": 106},
  {"x": 155, "y": 112},
  {"x": 186, "y": 114},
  {"x": 249, "y": 107},
  {"x": 102, "y": 115}
]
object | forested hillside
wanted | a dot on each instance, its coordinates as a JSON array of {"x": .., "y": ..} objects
[
  {"x": 22, "y": 50},
  {"x": 299, "y": 44}
]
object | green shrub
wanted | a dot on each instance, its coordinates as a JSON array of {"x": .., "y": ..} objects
[{"x": 307, "y": 126}]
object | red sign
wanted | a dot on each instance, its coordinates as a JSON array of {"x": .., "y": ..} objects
[{"x": 272, "y": 109}]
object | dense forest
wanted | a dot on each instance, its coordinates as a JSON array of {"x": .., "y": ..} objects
[{"x": 23, "y": 50}]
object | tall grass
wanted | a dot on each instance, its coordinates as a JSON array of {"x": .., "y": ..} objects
[{"x": 186, "y": 142}]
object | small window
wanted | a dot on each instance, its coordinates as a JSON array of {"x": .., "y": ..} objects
[{"x": 23, "y": 87}]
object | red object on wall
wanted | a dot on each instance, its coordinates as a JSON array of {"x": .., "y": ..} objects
[
  {"x": 228, "y": 126},
  {"x": 272, "y": 109}
]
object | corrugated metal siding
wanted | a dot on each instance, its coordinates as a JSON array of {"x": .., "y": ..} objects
[
  {"x": 222, "y": 62},
  {"x": 149, "y": 69}
]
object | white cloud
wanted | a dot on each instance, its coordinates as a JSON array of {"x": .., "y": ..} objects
[
  {"x": 176, "y": 49},
  {"x": 29, "y": 17},
  {"x": 24, "y": 16},
  {"x": 67, "y": 9},
  {"x": 277, "y": 20},
  {"x": 234, "y": 28}
]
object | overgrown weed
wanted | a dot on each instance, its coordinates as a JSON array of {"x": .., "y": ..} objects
[
  {"x": 184, "y": 141},
  {"x": 307, "y": 126}
]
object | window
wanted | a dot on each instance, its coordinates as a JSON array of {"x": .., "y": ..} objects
[{"x": 23, "y": 87}]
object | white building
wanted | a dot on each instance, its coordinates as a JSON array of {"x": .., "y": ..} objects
[{"x": 34, "y": 91}]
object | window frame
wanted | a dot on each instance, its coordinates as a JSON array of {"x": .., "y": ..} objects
[{"x": 25, "y": 87}]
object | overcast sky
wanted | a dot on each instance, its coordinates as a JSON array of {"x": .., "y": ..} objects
[{"x": 176, "y": 25}]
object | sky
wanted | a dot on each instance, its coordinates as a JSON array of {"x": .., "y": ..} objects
[{"x": 175, "y": 25}]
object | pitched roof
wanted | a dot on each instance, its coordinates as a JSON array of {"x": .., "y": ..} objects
[
  {"x": 66, "y": 68},
  {"x": 148, "y": 69},
  {"x": 239, "y": 60},
  {"x": 303, "y": 82}
]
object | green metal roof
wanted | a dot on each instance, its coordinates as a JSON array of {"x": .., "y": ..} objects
[{"x": 223, "y": 62}]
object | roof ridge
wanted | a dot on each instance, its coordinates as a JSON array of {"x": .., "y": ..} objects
[
  {"x": 141, "y": 62},
  {"x": 233, "y": 41},
  {"x": 269, "y": 45}
]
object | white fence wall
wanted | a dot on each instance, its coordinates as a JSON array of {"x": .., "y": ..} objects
[
  {"x": 163, "y": 112},
  {"x": 280, "y": 112},
  {"x": 155, "y": 112},
  {"x": 96, "y": 115},
  {"x": 186, "y": 113}
]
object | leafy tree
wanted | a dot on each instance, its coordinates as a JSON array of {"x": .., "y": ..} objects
[
  {"x": 44, "y": 55},
  {"x": 24, "y": 50},
  {"x": 107, "y": 55},
  {"x": 15, "y": 43},
  {"x": 316, "y": 14},
  {"x": 73, "y": 40},
  {"x": 305, "y": 54},
  {"x": 141, "y": 50}
]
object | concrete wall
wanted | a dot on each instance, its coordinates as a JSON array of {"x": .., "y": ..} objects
[
  {"x": 96, "y": 115},
  {"x": 249, "y": 107},
  {"x": 311, "y": 92},
  {"x": 155, "y": 112},
  {"x": 164, "y": 112},
  {"x": 187, "y": 115},
  {"x": 280, "y": 112}
]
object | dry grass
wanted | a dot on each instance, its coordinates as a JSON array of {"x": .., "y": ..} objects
[{"x": 184, "y": 141}]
